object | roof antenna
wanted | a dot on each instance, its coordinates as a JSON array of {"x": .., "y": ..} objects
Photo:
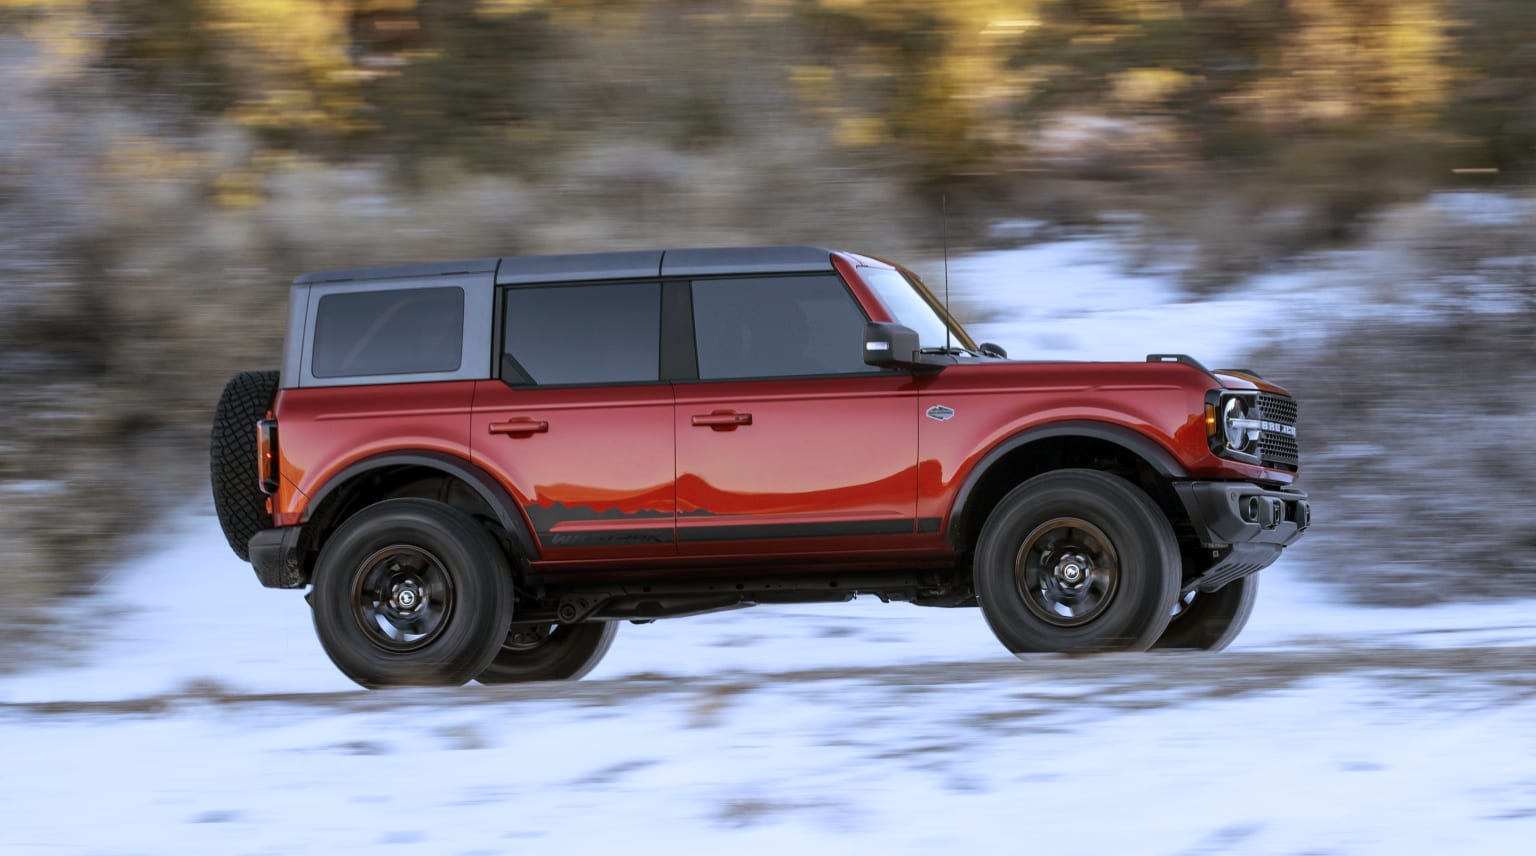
[{"x": 944, "y": 231}]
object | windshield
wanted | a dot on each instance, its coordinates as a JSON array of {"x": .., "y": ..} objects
[{"x": 912, "y": 306}]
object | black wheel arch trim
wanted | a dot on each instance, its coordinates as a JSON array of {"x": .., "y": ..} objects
[
  {"x": 1149, "y": 450},
  {"x": 508, "y": 512}
]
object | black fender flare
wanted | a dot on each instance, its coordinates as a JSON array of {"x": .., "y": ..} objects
[
  {"x": 508, "y": 512},
  {"x": 1144, "y": 447}
]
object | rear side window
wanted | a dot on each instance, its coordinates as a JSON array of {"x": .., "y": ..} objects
[
  {"x": 782, "y": 326},
  {"x": 582, "y": 334},
  {"x": 390, "y": 332}
]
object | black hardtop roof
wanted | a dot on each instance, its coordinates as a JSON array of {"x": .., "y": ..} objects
[{"x": 513, "y": 270}]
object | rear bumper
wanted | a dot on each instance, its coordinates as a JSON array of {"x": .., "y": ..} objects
[
  {"x": 275, "y": 556},
  {"x": 1244, "y": 525}
]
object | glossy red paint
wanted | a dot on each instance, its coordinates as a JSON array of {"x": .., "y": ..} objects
[
  {"x": 818, "y": 453},
  {"x": 994, "y": 402},
  {"x": 324, "y": 431},
  {"x": 847, "y": 265},
  {"x": 697, "y": 477},
  {"x": 602, "y": 464}
]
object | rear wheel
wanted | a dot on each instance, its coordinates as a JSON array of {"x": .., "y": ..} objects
[
  {"x": 1077, "y": 561},
  {"x": 559, "y": 652},
  {"x": 411, "y": 592},
  {"x": 1209, "y": 621}
]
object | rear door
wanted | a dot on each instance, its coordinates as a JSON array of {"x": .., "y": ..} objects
[
  {"x": 787, "y": 442},
  {"x": 577, "y": 423}
]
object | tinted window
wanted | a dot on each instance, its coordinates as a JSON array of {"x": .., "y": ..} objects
[
  {"x": 776, "y": 327},
  {"x": 403, "y": 331},
  {"x": 582, "y": 334}
]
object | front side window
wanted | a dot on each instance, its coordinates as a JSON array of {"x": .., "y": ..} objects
[
  {"x": 912, "y": 308},
  {"x": 581, "y": 334},
  {"x": 389, "y": 332},
  {"x": 782, "y": 326}
]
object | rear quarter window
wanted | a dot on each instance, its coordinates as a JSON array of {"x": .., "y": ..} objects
[{"x": 393, "y": 332}]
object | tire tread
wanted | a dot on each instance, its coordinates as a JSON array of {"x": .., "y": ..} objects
[{"x": 232, "y": 466}]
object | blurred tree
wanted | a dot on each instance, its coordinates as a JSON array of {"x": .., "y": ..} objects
[
  {"x": 166, "y": 47},
  {"x": 1493, "y": 108},
  {"x": 447, "y": 79}
]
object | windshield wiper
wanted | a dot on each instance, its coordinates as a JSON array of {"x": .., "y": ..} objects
[{"x": 952, "y": 349}]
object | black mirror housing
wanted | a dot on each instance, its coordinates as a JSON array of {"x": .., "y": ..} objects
[{"x": 891, "y": 345}]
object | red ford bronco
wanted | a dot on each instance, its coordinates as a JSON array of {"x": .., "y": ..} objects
[{"x": 482, "y": 467}]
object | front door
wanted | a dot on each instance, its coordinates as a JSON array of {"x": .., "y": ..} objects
[
  {"x": 579, "y": 425},
  {"x": 788, "y": 442}
]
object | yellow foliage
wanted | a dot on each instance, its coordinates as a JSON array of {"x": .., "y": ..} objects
[
  {"x": 238, "y": 188},
  {"x": 813, "y": 84},
  {"x": 1351, "y": 59},
  {"x": 508, "y": 7},
  {"x": 857, "y": 132},
  {"x": 1147, "y": 85},
  {"x": 294, "y": 54}
]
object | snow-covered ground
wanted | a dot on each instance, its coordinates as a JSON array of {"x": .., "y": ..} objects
[{"x": 200, "y": 715}]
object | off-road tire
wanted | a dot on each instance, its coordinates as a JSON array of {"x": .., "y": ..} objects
[
  {"x": 463, "y": 571},
  {"x": 1025, "y": 533},
  {"x": 1210, "y": 621},
  {"x": 237, "y": 496},
  {"x": 568, "y": 653}
]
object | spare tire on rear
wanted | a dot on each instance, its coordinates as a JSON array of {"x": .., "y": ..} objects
[{"x": 237, "y": 496}]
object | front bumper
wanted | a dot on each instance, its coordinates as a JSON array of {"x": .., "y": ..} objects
[
  {"x": 275, "y": 556},
  {"x": 1244, "y": 525}
]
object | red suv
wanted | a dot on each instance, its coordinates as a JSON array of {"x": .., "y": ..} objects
[{"x": 482, "y": 467}]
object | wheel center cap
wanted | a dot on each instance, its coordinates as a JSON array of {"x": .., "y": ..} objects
[
  {"x": 406, "y": 597},
  {"x": 1072, "y": 570}
]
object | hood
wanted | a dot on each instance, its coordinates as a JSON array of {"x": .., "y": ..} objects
[{"x": 1246, "y": 379}]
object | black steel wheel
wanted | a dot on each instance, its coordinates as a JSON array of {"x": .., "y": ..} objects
[
  {"x": 549, "y": 652},
  {"x": 402, "y": 597},
  {"x": 411, "y": 592},
  {"x": 1067, "y": 571},
  {"x": 1209, "y": 621},
  {"x": 1077, "y": 561}
]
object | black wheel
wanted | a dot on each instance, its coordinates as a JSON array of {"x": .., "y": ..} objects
[
  {"x": 237, "y": 498},
  {"x": 411, "y": 592},
  {"x": 1210, "y": 621},
  {"x": 559, "y": 652},
  {"x": 1077, "y": 561}
]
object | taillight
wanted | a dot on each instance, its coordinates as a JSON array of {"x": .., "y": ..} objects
[{"x": 266, "y": 455}]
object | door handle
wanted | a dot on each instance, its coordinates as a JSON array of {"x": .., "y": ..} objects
[
  {"x": 520, "y": 427},
  {"x": 722, "y": 420}
]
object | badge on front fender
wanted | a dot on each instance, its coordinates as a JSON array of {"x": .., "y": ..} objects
[{"x": 940, "y": 413}]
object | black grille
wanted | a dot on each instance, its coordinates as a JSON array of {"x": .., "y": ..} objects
[
  {"x": 1277, "y": 449},
  {"x": 1278, "y": 408}
]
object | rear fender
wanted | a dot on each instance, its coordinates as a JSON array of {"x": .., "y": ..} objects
[{"x": 508, "y": 513}]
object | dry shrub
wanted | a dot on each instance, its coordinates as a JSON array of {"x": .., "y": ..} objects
[{"x": 1417, "y": 422}]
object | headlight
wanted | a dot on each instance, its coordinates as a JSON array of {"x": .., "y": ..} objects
[
  {"x": 1240, "y": 432},
  {"x": 1232, "y": 424}
]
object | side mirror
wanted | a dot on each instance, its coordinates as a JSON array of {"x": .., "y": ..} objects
[
  {"x": 890, "y": 345},
  {"x": 993, "y": 350}
]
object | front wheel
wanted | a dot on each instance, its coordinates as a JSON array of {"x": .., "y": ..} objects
[
  {"x": 1077, "y": 561},
  {"x": 411, "y": 592},
  {"x": 1209, "y": 621},
  {"x": 559, "y": 652}
]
